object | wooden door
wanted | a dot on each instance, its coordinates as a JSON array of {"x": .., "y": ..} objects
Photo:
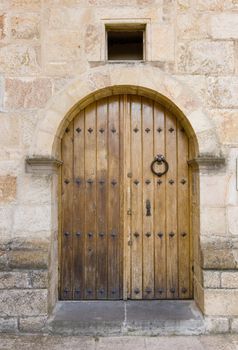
[{"x": 125, "y": 231}]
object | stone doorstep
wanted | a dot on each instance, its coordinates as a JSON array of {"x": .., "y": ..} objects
[{"x": 146, "y": 317}]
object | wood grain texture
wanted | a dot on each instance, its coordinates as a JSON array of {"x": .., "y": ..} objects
[{"x": 111, "y": 248}]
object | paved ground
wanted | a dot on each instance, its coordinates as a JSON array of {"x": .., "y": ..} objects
[{"x": 36, "y": 342}]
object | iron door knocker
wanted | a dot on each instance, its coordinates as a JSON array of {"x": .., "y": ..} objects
[{"x": 159, "y": 159}]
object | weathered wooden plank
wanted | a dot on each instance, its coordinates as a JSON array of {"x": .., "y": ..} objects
[
  {"x": 78, "y": 207},
  {"x": 171, "y": 207},
  {"x": 183, "y": 214},
  {"x": 136, "y": 199},
  {"x": 102, "y": 186},
  {"x": 113, "y": 199},
  {"x": 148, "y": 199},
  {"x": 67, "y": 217},
  {"x": 160, "y": 207},
  {"x": 90, "y": 202}
]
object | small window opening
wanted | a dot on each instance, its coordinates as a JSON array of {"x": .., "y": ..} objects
[{"x": 123, "y": 45}]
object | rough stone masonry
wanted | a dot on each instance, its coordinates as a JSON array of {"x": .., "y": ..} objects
[{"x": 47, "y": 49}]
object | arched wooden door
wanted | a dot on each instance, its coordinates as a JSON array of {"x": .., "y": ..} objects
[{"x": 125, "y": 231}]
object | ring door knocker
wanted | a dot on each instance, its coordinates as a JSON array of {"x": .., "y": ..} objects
[{"x": 159, "y": 159}]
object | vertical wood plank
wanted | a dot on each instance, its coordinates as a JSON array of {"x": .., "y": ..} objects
[
  {"x": 102, "y": 169},
  {"x": 171, "y": 207},
  {"x": 160, "y": 207},
  {"x": 136, "y": 200},
  {"x": 90, "y": 202},
  {"x": 67, "y": 218},
  {"x": 126, "y": 188},
  {"x": 78, "y": 207},
  {"x": 113, "y": 199},
  {"x": 148, "y": 196},
  {"x": 183, "y": 214}
]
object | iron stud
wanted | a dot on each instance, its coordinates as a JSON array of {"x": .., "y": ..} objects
[
  {"x": 101, "y": 182},
  {"x": 89, "y": 291},
  {"x": 101, "y": 130},
  {"x": 113, "y": 130},
  {"x": 136, "y": 182},
  {"x": 113, "y": 182},
  {"x": 171, "y": 234},
  {"x": 159, "y": 129},
  {"x": 101, "y": 234},
  {"x": 171, "y": 129},
  {"x": 90, "y": 234},
  {"x": 78, "y": 234},
  {"x": 136, "y": 234},
  {"x": 66, "y": 181},
  {"x": 172, "y": 290},
  {"x": 90, "y": 130},
  {"x": 136, "y": 291},
  {"x": 183, "y": 234},
  {"x": 147, "y": 130},
  {"x": 159, "y": 182},
  {"x": 147, "y": 182},
  {"x": 148, "y": 290},
  {"x": 171, "y": 182},
  {"x": 78, "y": 181},
  {"x": 184, "y": 290},
  {"x": 67, "y": 130},
  {"x": 78, "y": 130},
  {"x": 148, "y": 234},
  {"x": 66, "y": 234},
  {"x": 90, "y": 181},
  {"x": 113, "y": 234},
  {"x": 183, "y": 181},
  {"x": 136, "y": 129},
  {"x": 160, "y": 290},
  {"x": 160, "y": 234},
  {"x": 101, "y": 291}
]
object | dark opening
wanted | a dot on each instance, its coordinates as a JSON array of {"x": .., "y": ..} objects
[{"x": 125, "y": 45}]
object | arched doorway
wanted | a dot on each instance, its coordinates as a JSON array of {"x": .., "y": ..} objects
[{"x": 126, "y": 232}]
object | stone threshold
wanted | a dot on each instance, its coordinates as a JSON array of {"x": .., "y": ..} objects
[{"x": 144, "y": 317}]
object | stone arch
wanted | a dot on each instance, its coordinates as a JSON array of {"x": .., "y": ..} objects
[
  {"x": 105, "y": 81},
  {"x": 134, "y": 79}
]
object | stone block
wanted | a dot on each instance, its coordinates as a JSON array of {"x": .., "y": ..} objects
[
  {"x": 217, "y": 186},
  {"x": 223, "y": 92},
  {"x": 211, "y": 279},
  {"x": 226, "y": 123},
  {"x": 224, "y": 26},
  {"x": 14, "y": 280},
  {"x": 8, "y": 325},
  {"x": 32, "y": 218},
  {"x": 27, "y": 259},
  {"x": 10, "y": 132},
  {"x": 19, "y": 59},
  {"x": 8, "y": 188},
  {"x": 163, "y": 38},
  {"x": 192, "y": 25},
  {"x": 67, "y": 17},
  {"x": 229, "y": 279},
  {"x": 234, "y": 325},
  {"x": 213, "y": 221},
  {"x": 63, "y": 45},
  {"x": 92, "y": 40},
  {"x": 27, "y": 93},
  {"x": 206, "y": 57},
  {"x": 217, "y": 325},
  {"x": 26, "y": 4},
  {"x": 232, "y": 216},
  {"x": 25, "y": 26},
  {"x": 221, "y": 302},
  {"x": 219, "y": 259},
  {"x": 32, "y": 324},
  {"x": 196, "y": 84},
  {"x": 2, "y": 26},
  {"x": 216, "y": 5},
  {"x": 38, "y": 279},
  {"x": 34, "y": 190},
  {"x": 30, "y": 302}
]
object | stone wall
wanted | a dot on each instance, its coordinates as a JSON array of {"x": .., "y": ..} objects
[{"x": 47, "y": 45}]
